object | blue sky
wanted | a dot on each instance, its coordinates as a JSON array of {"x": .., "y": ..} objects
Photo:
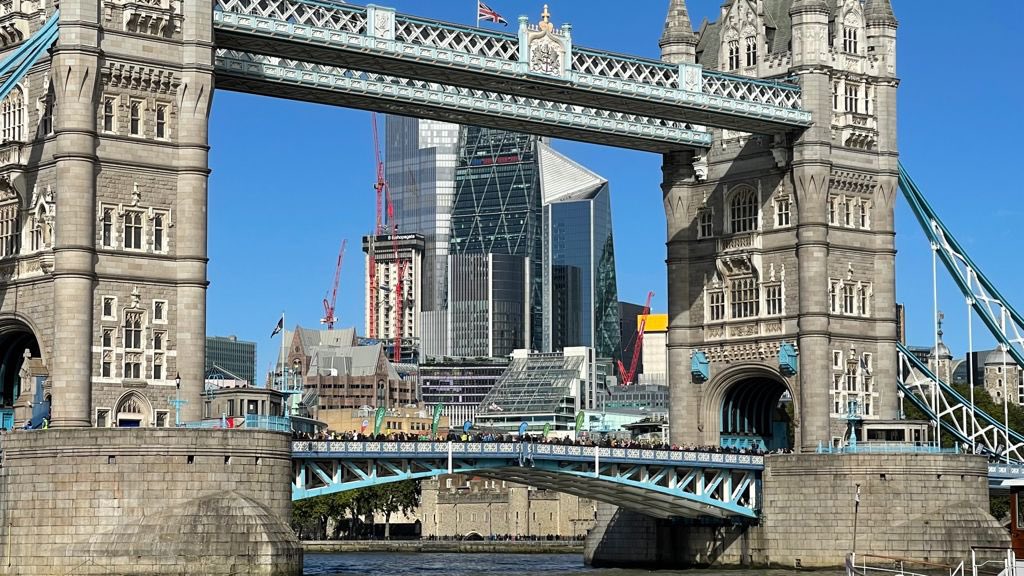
[{"x": 290, "y": 180}]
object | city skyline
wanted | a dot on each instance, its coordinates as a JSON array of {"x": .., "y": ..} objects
[{"x": 330, "y": 179}]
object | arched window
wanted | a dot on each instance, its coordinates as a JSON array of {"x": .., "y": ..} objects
[
  {"x": 743, "y": 211},
  {"x": 133, "y": 411},
  {"x": 12, "y": 115},
  {"x": 751, "y": 50},
  {"x": 133, "y": 230},
  {"x": 734, "y": 54}
]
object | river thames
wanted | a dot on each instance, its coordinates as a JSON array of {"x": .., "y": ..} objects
[{"x": 418, "y": 564}]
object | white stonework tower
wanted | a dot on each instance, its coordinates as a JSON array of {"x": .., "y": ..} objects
[
  {"x": 108, "y": 158},
  {"x": 779, "y": 245}
]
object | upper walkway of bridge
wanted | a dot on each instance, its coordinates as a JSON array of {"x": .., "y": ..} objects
[{"x": 374, "y": 57}]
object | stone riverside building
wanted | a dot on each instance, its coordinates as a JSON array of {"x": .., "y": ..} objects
[{"x": 457, "y": 506}]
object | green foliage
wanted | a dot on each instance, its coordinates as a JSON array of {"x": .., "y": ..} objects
[
  {"x": 984, "y": 402},
  {"x": 312, "y": 517}
]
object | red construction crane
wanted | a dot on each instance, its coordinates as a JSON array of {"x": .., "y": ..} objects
[
  {"x": 329, "y": 317},
  {"x": 380, "y": 188},
  {"x": 627, "y": 375}
]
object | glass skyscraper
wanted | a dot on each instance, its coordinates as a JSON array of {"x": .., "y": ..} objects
[
  {"x": 420, "y": 168},
  {"x": 497, "y": 210},
  {"x": 580, "y": 296},
  {"x": 231, "y": 355}
]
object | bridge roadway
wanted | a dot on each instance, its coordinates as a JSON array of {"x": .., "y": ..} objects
[
  {"x": 537, "y": 80},
  {"x": 661, "y": 483}
]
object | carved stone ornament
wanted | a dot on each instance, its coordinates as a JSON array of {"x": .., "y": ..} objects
[
  {"x": 140, "y": 78},
  {"x": 136, "y": 297},
  {"x": 735, "y": 265},
  {"x": 161, "y": 18},
  {"x": 136, "y": 195},
  {"x": 547, "y": 51},
  {"x": 7, "y": 189},
  {"x": 700, "y": 167}
]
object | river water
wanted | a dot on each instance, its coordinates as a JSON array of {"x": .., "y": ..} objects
[{"x": 402, "y": 564}]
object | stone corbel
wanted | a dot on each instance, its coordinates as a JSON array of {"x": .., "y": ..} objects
[
  {"x": 700, "y": 167},
  {"x": 780, "y": 151}
]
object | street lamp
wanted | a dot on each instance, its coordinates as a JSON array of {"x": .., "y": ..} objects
[{"x": 177, "y": 399}]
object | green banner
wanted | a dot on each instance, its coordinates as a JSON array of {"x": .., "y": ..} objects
[
  {"x": 547, "y": 430},
  {"x": 437, "y": 418},
  {"x": 579, "y": 420},
  {"x": 378, "y": 420}
]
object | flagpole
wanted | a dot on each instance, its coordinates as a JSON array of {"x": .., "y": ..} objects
[
  {"x": 283, "y": 383},
  {"x": 477, "y": 13}
]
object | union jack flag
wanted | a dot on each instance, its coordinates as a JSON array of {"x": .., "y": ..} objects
[{"x": 484, "y": 12}]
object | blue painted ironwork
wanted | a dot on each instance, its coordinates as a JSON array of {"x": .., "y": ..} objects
[
  {"x": 887, "y": 448},
  {"x": 17, "y": 64},
  {"x": 379, "y": 40},
  {"x": 955, "y": 411},
  {"x": 700, "y": 368},
  {"x": 272, "y": 423},
  {"x": 789, "y": 363},
  {"x": 1002, "y": 319},
  {"x": 301, "y": 80},
  {"x": 656, "y": 482}
]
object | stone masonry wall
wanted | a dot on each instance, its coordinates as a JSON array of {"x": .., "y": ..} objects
[
  {"x": 916, "y": 506},
  {"x": 146, "y": 501}
]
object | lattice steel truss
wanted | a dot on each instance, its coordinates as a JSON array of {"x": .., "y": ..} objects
[
  {"x": 377, "y": 39},
  {"x": 659, "y": 483},
  {"x": 968, "y": 424},
  {"x": 371, "y": 90}
]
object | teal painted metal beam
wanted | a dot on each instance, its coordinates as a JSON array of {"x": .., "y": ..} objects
[{"x": 18, "y": 63}]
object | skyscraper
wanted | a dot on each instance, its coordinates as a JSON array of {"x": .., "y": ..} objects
[
  {"x": 420, "y": 169},
  {"x": 229, "y": 354},
  {"x": 580, "y": 297},
  {"x": 497, "y": 210}
]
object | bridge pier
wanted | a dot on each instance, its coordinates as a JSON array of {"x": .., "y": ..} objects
[
  {"x": 146, "y": 502},
  {"x": 921, "y": 506}
]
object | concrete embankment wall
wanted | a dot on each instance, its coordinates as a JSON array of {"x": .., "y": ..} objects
[
  {"x": 446, "y": 546},
  {"x": 921, "y": 506},
  {"x": 146, "y": 502}
]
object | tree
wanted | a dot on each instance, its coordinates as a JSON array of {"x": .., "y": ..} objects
[{"x": 396, "y": 497}]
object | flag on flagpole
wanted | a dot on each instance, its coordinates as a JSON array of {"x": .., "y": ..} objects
[
  {"x": 484, "y": 12},
  {"x": 279, "y": 327}
]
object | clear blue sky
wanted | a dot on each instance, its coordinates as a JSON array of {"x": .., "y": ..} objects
[{"x": 290, "y": 180}]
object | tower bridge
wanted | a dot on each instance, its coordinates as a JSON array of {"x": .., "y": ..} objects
[{"x": 777, "y": 127}]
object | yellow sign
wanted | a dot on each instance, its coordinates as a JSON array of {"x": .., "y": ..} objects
[{"x": 655, "y": 323}]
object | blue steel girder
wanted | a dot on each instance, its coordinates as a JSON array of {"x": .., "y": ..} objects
[
  {"x": 300, "y": 80},
  {"x": 664, "y": 484},
  {"x": 396, "y": 44}
]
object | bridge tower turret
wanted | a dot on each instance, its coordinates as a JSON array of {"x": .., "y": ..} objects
[{"x": 780, "y": 241}]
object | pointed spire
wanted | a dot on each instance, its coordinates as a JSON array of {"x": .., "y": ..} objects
[
  {"x": 678, "y": 38},
  {"x": 879, "y": 11}
]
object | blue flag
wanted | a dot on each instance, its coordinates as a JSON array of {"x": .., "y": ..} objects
[
  {"x": 466, "y": 426},
  {"x": 522, "y": 428}
]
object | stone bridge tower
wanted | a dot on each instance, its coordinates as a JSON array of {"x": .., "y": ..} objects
[
  {"x": 786, "y": 244},
  {"x": 104, "y": 165}
]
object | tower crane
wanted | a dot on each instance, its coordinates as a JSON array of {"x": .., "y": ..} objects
[
  {"x": 380, "y": 188},
  {"x": 627, "y": 375},
  {"x": 329, "y": 318}
]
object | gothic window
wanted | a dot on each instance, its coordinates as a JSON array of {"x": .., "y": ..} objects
[
  {"x": 773, "y": 299},
  {"x": 837, "y": 359},
  {"x": 743, "y": 297},
  {"x": 734, "y": 54},
  {"x": 158, "y": 366},
  {"x": 12, "y": 112},
  {"x": 848, "y": 213},
  {"x": 46, "y": 116},
  {"x": 852, "y": 98},
  {"x": 751, "y": 50},
  {"x": 158, "y": 233},
  {"x": 36, "y": 236},
  {"x": 832, "y": 209},
  {"x": 160, "y": 311},
  {"x": 135, "y": 118},
  {"x": 864, "y": 220},
  {"x": 705, "y": 228},
  {"x": 743, "y": 211},
  {"x": 106, "y": 370},
  {"x": 108, "y": 114},
  {"x": 133, "y": 230},
  {"x": 849, "y": 40},
  {"x": 782, "y": 212},
  {"x": 161, "y": 121},
  {"x": 864, "y": 299},
  {"x": 159, "y": 338},
  {"x": 849, "y": 303},
  {"x": 133, "y": 331},
  {"x": 109, "y": 306},
  {"x": 10, "y": 228},
  {"x": 107, "y": 228},
  {"x": 716, "y": 306},
  {"x": 107, "y": 339},
  {"x": 835, "y": 96}
]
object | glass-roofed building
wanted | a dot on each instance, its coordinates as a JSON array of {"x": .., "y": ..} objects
[{"x": 544, "y": 388}]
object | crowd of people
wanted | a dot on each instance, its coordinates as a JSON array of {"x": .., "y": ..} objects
[{"x": 453, "y": 436}]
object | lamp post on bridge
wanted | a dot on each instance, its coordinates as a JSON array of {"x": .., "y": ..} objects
[{"x": 177, "y": 400}]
